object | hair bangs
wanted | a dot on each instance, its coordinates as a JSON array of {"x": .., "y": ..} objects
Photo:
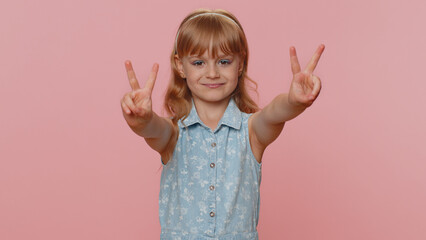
[{"x": 211, "y": 34}]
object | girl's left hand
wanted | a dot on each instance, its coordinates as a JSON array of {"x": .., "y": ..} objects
[{"x": 305, "y": 87}]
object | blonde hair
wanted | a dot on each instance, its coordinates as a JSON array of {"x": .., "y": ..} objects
[{"x": 194, "y": 36}]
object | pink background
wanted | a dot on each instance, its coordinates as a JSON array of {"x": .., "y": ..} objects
[{"x": 350, "y": 167}]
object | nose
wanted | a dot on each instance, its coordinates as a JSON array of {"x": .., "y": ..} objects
[{"x": 212, "y": 71}]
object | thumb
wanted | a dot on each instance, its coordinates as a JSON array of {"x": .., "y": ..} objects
[{"x": 317, "y": 86}]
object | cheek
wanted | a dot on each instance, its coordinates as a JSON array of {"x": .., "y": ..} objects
[
  {"x": 192, "y": 74},
  {"x": 192, "y": 85},
  {"x": 232, "y": 75}
]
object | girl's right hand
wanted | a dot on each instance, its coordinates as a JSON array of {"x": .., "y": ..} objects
[{"x": 137, "y": 104}]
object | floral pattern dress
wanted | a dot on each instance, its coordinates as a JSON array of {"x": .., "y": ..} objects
[{"x": 210, "y": 187}]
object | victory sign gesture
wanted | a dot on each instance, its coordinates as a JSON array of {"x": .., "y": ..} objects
[
  {"x": 305, "y": 86},
  {"x": 137, "y": 104}
]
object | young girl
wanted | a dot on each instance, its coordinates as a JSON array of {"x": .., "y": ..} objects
[{"x": 212, "y": 144}]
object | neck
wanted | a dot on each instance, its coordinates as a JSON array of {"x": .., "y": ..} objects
[{"x": 210, "y": 113}]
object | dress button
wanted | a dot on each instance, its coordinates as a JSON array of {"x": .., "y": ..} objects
[
  {"x": 211, "y": 214},
  {"x": 211, "y": 187},
  {"x": 213, "y": 144},
  {"x": 212, "y": 165}
]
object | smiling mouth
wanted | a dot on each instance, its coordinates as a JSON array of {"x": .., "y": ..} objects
[{"x": 213, "y": 85}]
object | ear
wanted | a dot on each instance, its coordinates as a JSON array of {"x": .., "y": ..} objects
[
  {"x": 240, "y": 67},
  {"x": 179, "y": 65}
]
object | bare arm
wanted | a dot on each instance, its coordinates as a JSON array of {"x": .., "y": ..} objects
[
  {"x": 267, "y": 124},
  {"x": 137, "y": 111}
]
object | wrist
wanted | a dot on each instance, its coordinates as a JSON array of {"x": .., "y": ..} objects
[
  {"x": 141, "y": 125},
  {"x": 295, "y": 105}
]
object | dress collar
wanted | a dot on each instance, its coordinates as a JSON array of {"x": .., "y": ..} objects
[{"x": 231, "y": 117}]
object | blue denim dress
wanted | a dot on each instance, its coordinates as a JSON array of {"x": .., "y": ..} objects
[{"x": 210, "y": 187}]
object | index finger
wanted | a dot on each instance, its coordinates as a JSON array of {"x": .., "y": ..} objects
[
  {"x": 314, "y": 60},
  {"x": 295, "y": 67},
  {"x": 131, "y": 75}
]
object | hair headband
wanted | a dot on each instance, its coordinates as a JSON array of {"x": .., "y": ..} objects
[{"x": 202, "y": 14}]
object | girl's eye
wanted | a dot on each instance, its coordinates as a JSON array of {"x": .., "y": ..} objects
[
  {"x": 224, "y": 62},
  {"x": 197, "y": 63}
]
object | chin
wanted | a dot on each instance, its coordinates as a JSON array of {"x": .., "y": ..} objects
[
  {"x": 219, "y": 99},
  {"x": 212, "y": 99}
]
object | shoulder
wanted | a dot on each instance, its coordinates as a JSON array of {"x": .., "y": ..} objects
[
  {"x": 168, "y": 150},
  {"x": 261, "y": 133},
  {"x": 256, "y": 147}
]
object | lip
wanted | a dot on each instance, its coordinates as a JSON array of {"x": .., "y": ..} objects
[{"x": 213, "y": 85}]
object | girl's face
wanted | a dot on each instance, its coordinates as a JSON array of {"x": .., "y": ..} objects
[{"x": 210, "y": 79}]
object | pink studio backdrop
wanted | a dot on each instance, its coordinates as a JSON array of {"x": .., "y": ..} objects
[{"x": 350, "y": 167}]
